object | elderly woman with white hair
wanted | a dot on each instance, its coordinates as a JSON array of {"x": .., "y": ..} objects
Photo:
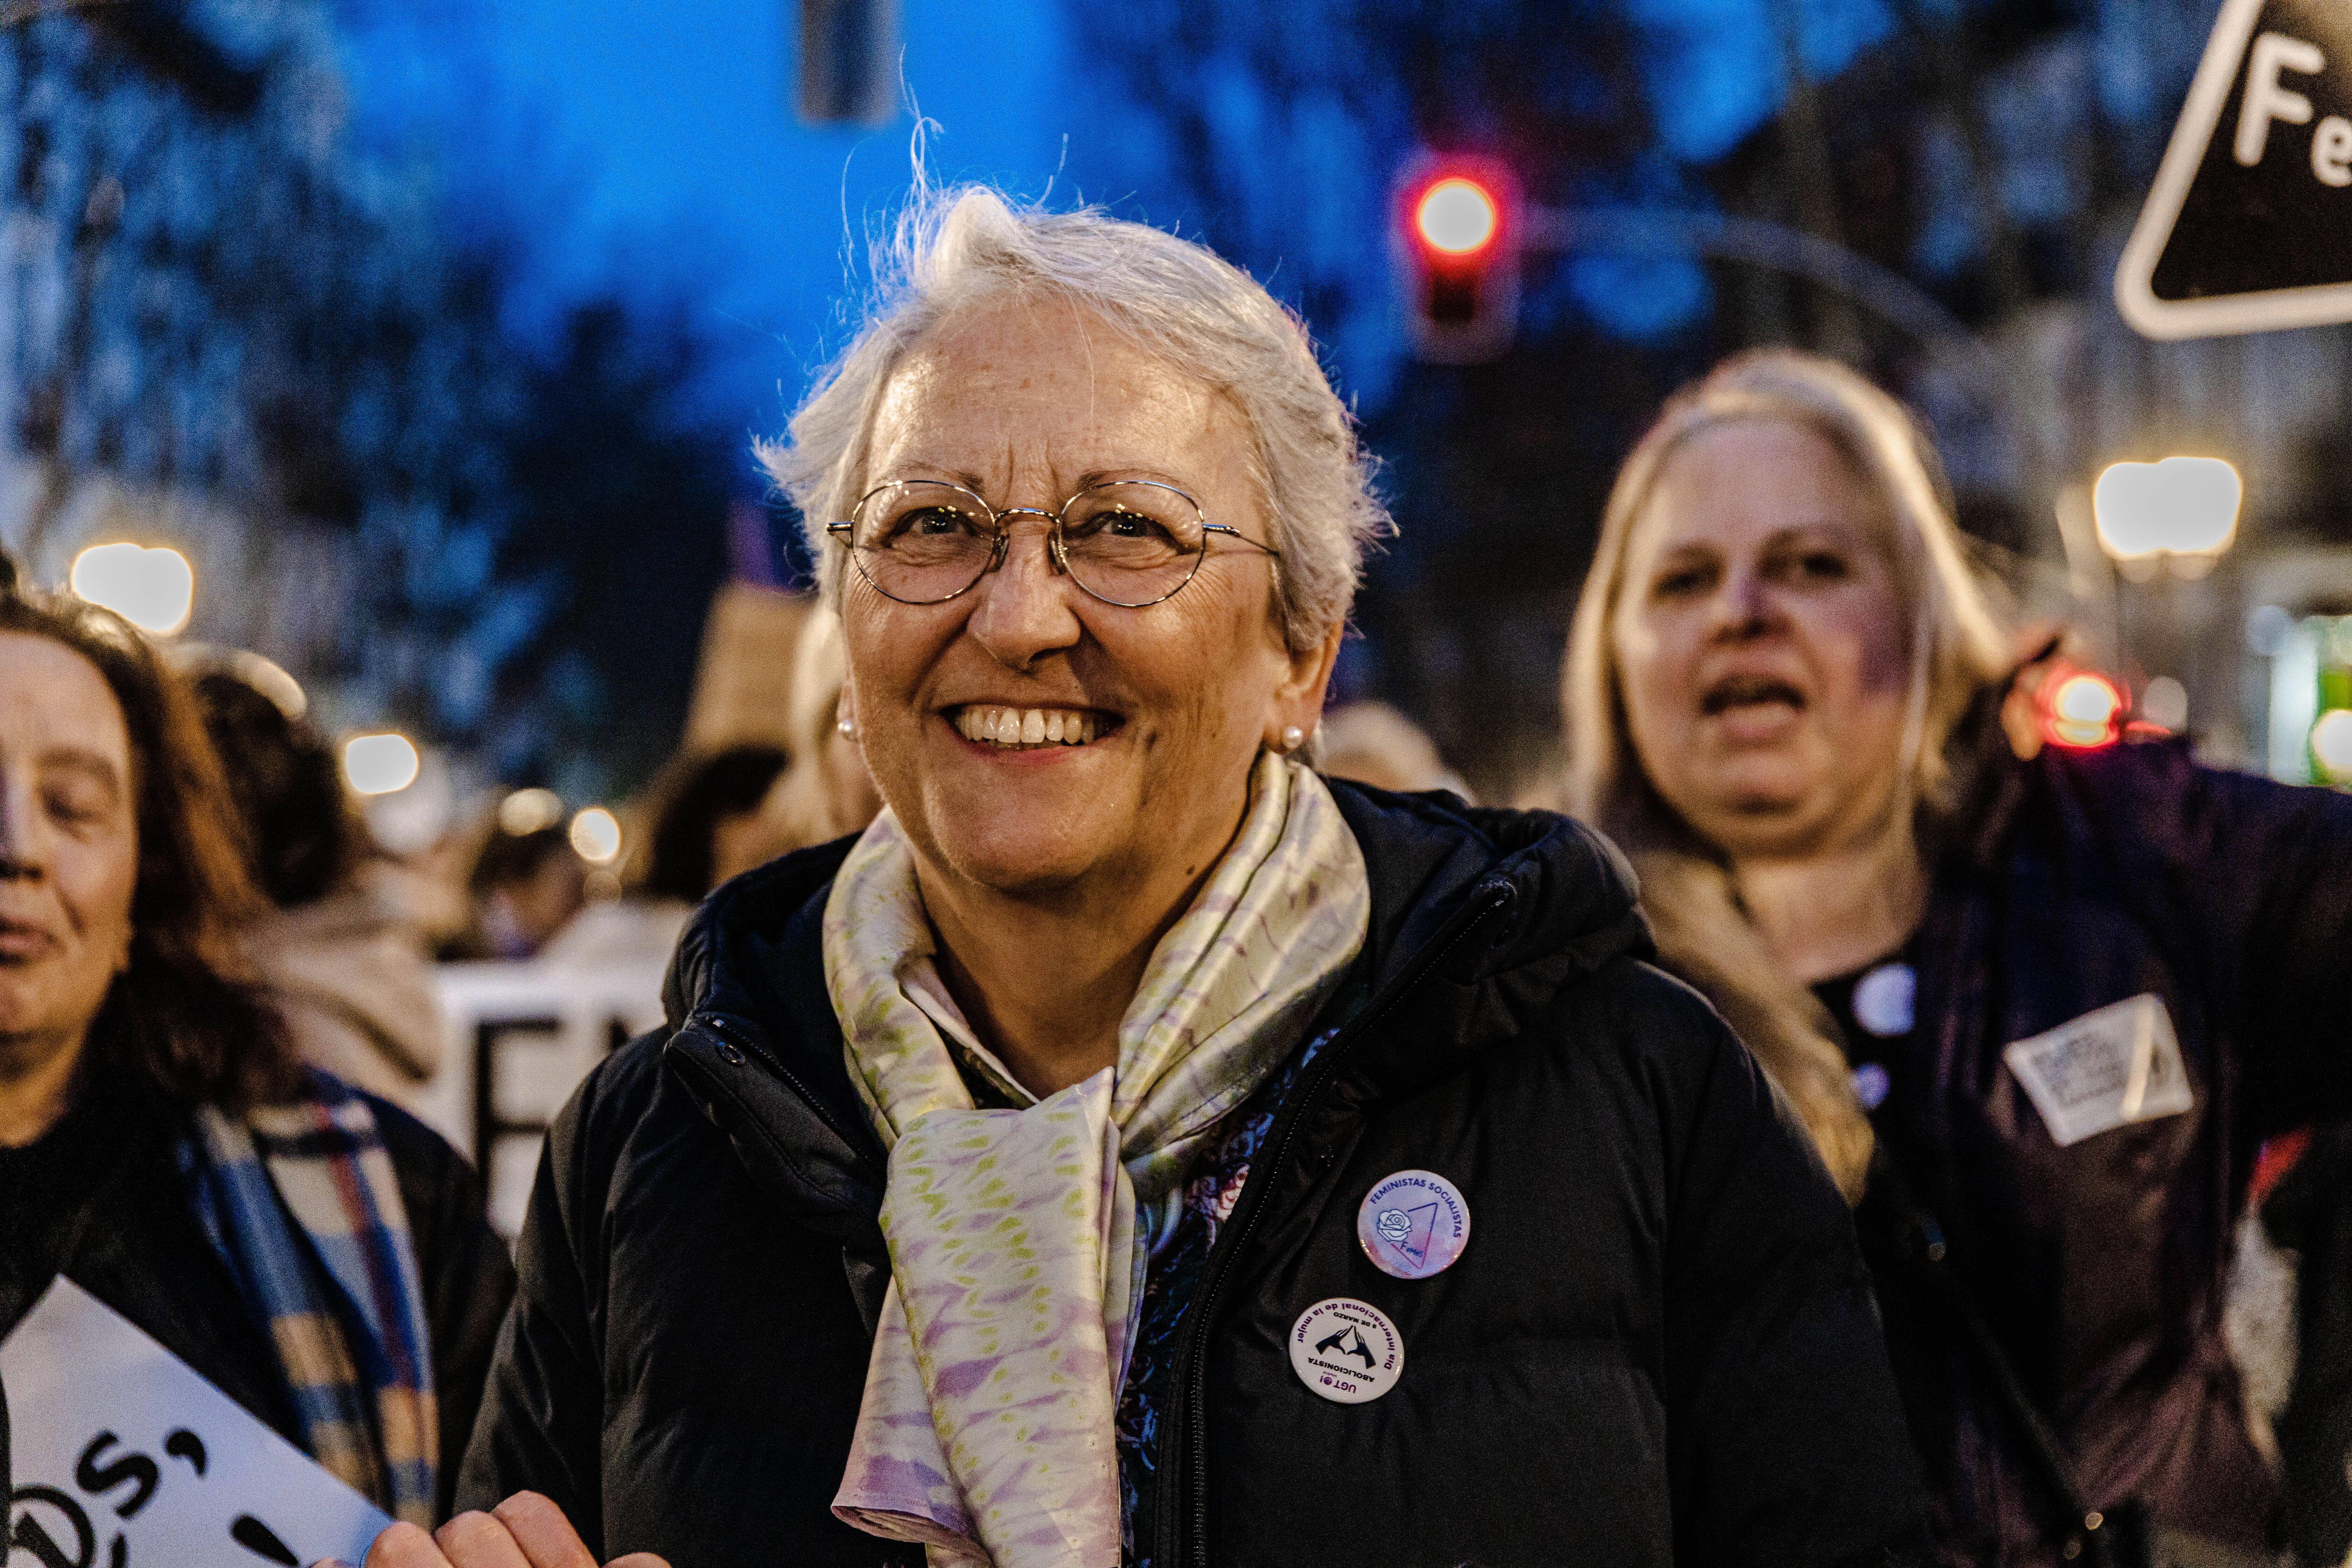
[
  {"x": 1131, "y": 1148},
  {"x": 2038, "y": 1006}
]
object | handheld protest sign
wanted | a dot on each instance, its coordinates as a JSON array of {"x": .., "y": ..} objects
[
  {"x": 2248, "y": 227},
  {"x": 125, "y": 1458}
]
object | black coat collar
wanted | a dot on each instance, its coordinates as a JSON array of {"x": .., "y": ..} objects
[{"x": 753, "y": 1034}]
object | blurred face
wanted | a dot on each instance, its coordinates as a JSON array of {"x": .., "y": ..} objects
[
  {"x": 68, "y": 846},
  {"x": 1760, "y": 642},
  {"x": 538, "y": 906},
  {"x": 1160, "y": 710}
]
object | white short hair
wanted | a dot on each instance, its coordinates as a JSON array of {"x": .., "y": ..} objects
[{"x": 952, "y": 250}]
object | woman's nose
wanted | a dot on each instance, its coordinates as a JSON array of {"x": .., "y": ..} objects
[
  {"x": 1743, "y": 604},
  {"x": 1024, "y": 606},
  {"x": 22, "y": 842}
]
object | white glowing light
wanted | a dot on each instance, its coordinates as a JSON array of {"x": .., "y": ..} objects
[
  {"x": 1457, "y": 217},
  {"x": 379, "y": 764},
  {"x": 2181, "y": 506},
  {"x": 154, "y": 590},
  {"x": 2331, "y": 743},
  {"x": 596, "y": 833},
  {"x": 2082, "y": 708},
  {"x": 528, "y": 810}
]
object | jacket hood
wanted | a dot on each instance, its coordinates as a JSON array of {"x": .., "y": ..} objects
[
  {"x": 753, "y": 1029},
  {"x": 349, "y": 973}
]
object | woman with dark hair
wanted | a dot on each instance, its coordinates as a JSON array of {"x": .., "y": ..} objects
[
  {"x": 344, "y": 965},
  {"x": 524, "y": 887},
  {"x": 316, "y": 1254},
  {"x": 703, "y": 812}
]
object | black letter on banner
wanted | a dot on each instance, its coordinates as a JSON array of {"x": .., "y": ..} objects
[
  {"x": 261, "y": 1540},
  {"x": 130, "y": 1466}
]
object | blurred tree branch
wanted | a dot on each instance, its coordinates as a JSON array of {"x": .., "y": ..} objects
[{"x": 21, "y": 12}]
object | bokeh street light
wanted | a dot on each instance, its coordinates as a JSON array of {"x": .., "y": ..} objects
[
  {"x": 153, "y": 589},
  {"x": 2165, "y": 704},
  {"x": 2182, "y": 511},
  {"x": 527, "y": 811},
  {"x": 596, "y": 835},
  {"x": 379, "y": 764},
  {"x": 2331, "y": 744}
]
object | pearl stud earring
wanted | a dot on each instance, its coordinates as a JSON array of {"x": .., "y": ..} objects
[
  {"x": 846, "y": 726},
  {"x": 1293, "y": 737}
]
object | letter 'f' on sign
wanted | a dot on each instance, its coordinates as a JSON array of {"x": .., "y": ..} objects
[{"x": 2265, "y": 99}]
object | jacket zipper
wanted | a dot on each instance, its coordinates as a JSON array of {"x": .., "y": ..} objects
[
  {"x": 1193, "y": 1410},
  {"x": 744, "y": 1040}
]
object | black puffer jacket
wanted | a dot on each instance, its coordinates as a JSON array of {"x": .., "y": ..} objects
[{"x": 1659, "y": 1346}]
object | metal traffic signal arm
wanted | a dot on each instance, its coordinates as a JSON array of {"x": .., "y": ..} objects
[
  {"x": 1529, "y": 229},
  {"x": 1643, "y": 231}
]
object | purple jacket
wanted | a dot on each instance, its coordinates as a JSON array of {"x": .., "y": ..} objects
[{"x": 2073, "y": 882}]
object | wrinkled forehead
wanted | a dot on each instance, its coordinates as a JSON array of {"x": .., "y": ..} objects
[{"x": 1021, "y": 390}]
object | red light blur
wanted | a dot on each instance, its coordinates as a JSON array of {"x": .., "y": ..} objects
[
  {"x": 2082, "y": 711},
  {"x": 1458, "y": 216}
]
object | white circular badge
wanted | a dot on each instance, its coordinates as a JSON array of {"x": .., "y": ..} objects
[
  {"x": 1883, "y": 1000},
  {"x": 1346, "y": 1350},
  {"x": 1414, "y": 1224}
]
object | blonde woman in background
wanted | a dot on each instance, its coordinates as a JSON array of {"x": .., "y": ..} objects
[{"x": 2065, "y": 993}]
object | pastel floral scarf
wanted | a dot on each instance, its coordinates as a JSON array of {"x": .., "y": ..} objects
[{"x": 1019, "y": 1237}]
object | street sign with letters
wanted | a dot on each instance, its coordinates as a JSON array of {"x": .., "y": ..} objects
[{"x": 2249, "y": 226}]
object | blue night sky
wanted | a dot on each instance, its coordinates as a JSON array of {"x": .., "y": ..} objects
[{"x": 652, "y": 148}]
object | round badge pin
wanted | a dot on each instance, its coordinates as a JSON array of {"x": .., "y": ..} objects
[
  {"x": 1413, "y": 1225},
  {"x": 1884, "y": 1000},
  {"x": 1346, "y": 1350}
]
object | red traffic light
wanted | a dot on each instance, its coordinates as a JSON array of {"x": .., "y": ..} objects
[
  {"x": 1457, "y": 217},
  {"x": 1455, "y": 245}
]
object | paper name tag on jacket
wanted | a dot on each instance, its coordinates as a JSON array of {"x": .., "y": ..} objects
[
  {"x": 125, "y": 1458},
  {"x": 2107, "y": 1068}
]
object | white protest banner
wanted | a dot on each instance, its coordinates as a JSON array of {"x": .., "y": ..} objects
[
  {"x": 124, "y": 1458},
  {"x": 520, "y": 1037}
]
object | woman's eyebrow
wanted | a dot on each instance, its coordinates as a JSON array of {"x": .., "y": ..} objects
[
  {"x": 1802, "y": 532},
  {"x": 1127, "y": 472},
  {"x": 921, "y": 468},
  {"x": 95, "y": 764},
  {"x": 977, "y": 485}
]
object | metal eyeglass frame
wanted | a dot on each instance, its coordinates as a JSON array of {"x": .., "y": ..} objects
[{"x": 1057, "y": 553}]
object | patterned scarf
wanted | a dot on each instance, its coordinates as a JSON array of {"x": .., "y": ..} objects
[
  {"x": 1019, "y": 1237},
  {"x": 301, "y": 1203}
]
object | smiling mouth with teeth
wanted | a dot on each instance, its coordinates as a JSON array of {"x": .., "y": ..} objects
[{"x": 1023, "y": 728}]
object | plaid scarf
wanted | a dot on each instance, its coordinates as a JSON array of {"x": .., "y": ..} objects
[
  {"x": 301, "y": 1203},
  {"x": 1020, "y": 1238}
]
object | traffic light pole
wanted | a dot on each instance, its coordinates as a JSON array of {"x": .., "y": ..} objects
[{"x": 1645, "y": 231}]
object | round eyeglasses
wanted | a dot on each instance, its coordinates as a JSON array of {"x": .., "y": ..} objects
[{"x": 1129, "y": 542}]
